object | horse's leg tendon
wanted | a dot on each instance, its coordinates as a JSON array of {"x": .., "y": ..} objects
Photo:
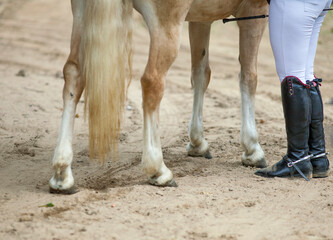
[
  {"x": 199, "y": 40},
  {"x": 250, "y": 36},
  {"x": 62, "y": 180}
]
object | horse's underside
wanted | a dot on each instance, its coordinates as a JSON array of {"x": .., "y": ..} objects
[{"x": 101, "y": 52}]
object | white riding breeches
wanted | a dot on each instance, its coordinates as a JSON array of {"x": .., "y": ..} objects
[{"x": 294, "y": 27}]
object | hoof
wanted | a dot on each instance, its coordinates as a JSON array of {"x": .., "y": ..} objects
[
  {"x": 256, "y": 159},
  {"x": 207, "y": 155},
  {"x": 254, "y": 156},
  {"x": 69, "y": 191},
  {"x": 171, "y": 183},
  {"x": 201, "y": 151},
  {"x": 258, "y": 164}
]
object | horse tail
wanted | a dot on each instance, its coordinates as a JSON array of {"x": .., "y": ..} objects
[{"x": 105, "y": 61}]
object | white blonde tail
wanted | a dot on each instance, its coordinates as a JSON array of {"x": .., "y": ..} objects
[{"x": 105, "y": 61}]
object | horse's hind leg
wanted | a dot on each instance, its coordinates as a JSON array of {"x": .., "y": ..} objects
[
  {"x": 62, "y": 180},
  {"x": 250, "y": 36},
  {"x": 199, "y": 40},
  {"x": 165, "y": 41}
]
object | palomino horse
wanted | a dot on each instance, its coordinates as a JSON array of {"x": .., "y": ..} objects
[{"x": 100, "y": 62}]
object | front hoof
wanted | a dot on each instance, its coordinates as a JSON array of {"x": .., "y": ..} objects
[
  {"x": 155, "y": 182},
  {"x": 69, "y": 191},
  {"x": 199, "y": 151}
]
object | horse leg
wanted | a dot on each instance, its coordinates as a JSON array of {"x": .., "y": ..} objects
[
  {"x": 199, "y": 41},
  {"x": 165, "y": 41},
  {"x": 250, "y": 36},
  {"x": 62, "y": 180},
  {"x": 162, "y": 54}
]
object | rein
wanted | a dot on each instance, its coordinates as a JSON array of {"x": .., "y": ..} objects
[{"x": 226, "y": 20}]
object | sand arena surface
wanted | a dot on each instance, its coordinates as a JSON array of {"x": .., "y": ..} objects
[{"x": 216, "y": 199}]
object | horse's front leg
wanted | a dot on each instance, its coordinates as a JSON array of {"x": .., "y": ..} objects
[
  {"x": 250, "y": 36},
  {"x": 199, "y": 40},
  {"x": 62, "y": 180}
]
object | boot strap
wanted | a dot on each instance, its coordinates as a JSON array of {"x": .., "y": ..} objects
[
  {"x": 293, "y": 164},
  {"x": 300, "y": 172},
  {"x": 320, "y": 155},
  {"x": 318, "y": 81},
  {"x": 314, "y": 83}
]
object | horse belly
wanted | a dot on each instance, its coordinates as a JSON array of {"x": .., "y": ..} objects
[{"x": 211, "y": 10}]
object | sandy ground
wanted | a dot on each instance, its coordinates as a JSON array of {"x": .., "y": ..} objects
[{"x": 216, "y": 199}]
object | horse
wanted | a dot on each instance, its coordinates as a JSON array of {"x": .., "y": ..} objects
[{"x": 100, "y": 62}]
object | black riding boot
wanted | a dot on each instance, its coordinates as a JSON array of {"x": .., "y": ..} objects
[
  {"x": 319, "y": 160},
  {"x": 296, "y": 107}
]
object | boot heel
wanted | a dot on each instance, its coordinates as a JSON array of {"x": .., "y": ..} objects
[
  {"x": 307, "y": 174},
  {"x": 320, "y": 174}
]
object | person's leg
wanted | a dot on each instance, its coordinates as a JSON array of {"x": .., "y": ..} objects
[
  {"x": 294, "y": 31},
  {"x": 316, "y": 142},
  {"x": 296, "y": 107},
  {"x": 314, "y": 40},
  {"x": 290, "y": 33}
]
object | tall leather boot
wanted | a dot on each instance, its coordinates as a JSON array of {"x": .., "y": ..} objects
[
  {"x": 316, "y": 143},
  {"x": 296, "y": 103}
]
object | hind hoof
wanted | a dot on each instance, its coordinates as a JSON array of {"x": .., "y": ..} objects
[
  {"x": 69, "y": 191},
  {"x": 256, "y": 159},
  {"x": 171, "y": 183},
  {"x": 207, "y": 155},
  {"x": 199, "y": 151},
  {"x": 258, "y": 164}
]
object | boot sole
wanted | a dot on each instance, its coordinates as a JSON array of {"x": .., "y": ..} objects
[
  {"x": 320, "y": 174},
  {"x": 308, "y": 175}
]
